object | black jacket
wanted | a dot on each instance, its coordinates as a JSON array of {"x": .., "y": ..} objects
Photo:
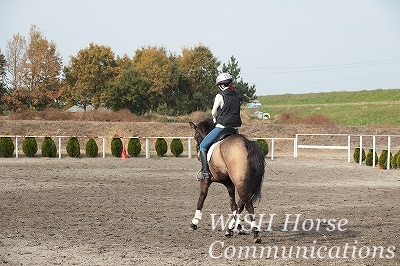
[{"x": 229, "y": 114}]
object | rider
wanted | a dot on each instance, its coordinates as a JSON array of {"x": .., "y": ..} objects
[{"x": 225, "y": 112}]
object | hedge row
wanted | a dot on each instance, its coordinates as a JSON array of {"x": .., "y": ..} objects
[
  {"x": 381, "y": 161},
  {"x": 49, "y": 148}
]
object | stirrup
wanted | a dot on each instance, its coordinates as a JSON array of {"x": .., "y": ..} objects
[{"x": 201, "y": 176}]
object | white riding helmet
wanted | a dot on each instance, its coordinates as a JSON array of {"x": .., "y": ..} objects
[{"x": 223, "y": 78}]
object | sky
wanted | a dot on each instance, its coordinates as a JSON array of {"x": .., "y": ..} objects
[{"x": 282, "y": 46}]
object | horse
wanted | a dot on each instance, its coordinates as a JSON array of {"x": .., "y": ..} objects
[{"x": 239, "y": 164}]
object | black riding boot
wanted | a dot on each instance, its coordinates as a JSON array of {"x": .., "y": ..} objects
[{"x": 204, "y": 165}]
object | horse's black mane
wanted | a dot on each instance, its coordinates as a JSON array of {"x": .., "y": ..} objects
[{"x": 206, "y": 125}]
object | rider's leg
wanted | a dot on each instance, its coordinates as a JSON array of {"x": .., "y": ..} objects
[{"x": 204, "y": 146}]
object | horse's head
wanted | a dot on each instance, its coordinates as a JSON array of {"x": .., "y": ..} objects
[{"x": 202, "y": 129}]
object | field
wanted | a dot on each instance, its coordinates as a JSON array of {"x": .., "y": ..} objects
[
  {"x": 137, "y": 212},
  {"x": 95, "y": 211},
  {"x": 362, "y": 108}
]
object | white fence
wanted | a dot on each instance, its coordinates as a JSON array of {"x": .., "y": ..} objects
[
  {"x": 148, "y": 143},
  {"x": 347, "y": 145},
  {"x": 301, "y": 141}
]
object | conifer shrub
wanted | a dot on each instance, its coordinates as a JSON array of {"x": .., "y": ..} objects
[
  {"x": 382, "y": 161},
  {"x": 161, "y": 147},
  {"x": 394, "y": 159},
  {"x": 49, "y": 148},
  {"x": 176, "y": 147},
  {"x": 264, "y": 146},
  {"x": 116, "y": 146},
  {"x": 398, "y": 161},
  {"x": 91, "y": 148},
  {"x": 6, "y": 147},
  {"x": 29, "y": 146},
  {"x": 356, "y": 155},
  {"x": 134, "y": 147},
  {"x": 73, "y": 147},
  {"x": 369, "y": 158}
]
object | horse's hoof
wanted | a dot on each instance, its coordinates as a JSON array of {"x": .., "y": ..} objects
[
  {"x": 242, "y": 233},
  {"x": 193, "y": 227},
  {"x": 229, "y": 233}
]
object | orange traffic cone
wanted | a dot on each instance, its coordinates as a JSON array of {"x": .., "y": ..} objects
[{"x": 123, "y": 155}]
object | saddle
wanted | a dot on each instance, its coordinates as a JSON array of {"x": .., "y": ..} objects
[{"x": 226, "y": 132}]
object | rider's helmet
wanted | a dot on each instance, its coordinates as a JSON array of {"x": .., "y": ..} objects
[{"x": 223, "y": 78}]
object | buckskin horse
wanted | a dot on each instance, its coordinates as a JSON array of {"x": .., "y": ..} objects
[{"x": 239, "y": 164}]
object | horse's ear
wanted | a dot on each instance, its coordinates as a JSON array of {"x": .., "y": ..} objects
[{"x": 192, "y": 125}]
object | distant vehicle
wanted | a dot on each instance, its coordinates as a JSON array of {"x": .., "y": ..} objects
[{"x": 254, "y": 104}]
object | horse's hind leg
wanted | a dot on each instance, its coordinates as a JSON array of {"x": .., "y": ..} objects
[
  {"x": 204, "y": 185},
  {"x": 235, "y": 222},
  {"x": 256, "y": 233},
  {"x": 240, "y": 209}
]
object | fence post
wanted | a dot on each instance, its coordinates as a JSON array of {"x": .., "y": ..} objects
[
  {"x": 104, "y": 147},
  {"x": 59, "y": 148},
  {"x": 272, "y": 149},
  {"x": 360, "y": 162},
  {"x": 388, "y": 155},
  {"x": 349, "y": 148},
  {"x": 189, "y": 147},
  {"x": 295, "y": 146},
  {"x": 147, "y": 148},
  {"x": 373, "y": 151},
  {"x": 16, "y": 147}
]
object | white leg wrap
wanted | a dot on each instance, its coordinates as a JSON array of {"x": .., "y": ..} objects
[
  {"x": 197, "y": 217},
  {"x": 253, "y": 224},
  {"x": 233, "y": 221}
]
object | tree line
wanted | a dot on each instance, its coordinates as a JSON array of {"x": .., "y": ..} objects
[{"x": 32, "y": 77}]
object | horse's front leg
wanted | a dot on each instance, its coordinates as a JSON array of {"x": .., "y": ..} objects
[{"x": 204, "y": 185}]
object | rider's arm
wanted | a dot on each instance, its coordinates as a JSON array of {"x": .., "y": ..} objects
[{"x": 218, "y": 102}]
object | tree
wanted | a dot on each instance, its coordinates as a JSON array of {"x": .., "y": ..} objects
[
  {"x": 154, "y": 67},
  {"x": 35, "y": 70},
  {"x": 243, "y": 87},
  {"x": 87, "y": 75},
  {"x": 15, "y": 59},
  {"x": 178, "y": 99},
  {"x": 42, "y": 72},
  {"x": 128, "y": 92},
  {"x": 199, "y": 66},
  {"x": 2, "y": 80}
]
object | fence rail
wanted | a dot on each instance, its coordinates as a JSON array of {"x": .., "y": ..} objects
[
  {"x": 300, "y": 141},
  {"x": 348, "y": 145},
  {"x": 147, "y": 143}
]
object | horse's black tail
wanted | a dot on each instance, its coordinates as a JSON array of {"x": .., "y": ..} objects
[{"x": 256, "y": 170}]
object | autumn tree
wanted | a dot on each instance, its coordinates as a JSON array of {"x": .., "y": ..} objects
[
  {"x": 2, "y": 79},
  {"x": 232, "y": 67},
  {"x": 15, "y": 60},
  {"x": 199, "y": 66},
  {"x": 154, "y": 67},
  {"x": 42, "y": 72},
  {"x": 87, "y": 75},
  {"x": 35, "y": 72}
]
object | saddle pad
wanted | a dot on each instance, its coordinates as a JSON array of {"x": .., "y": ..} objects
[{"x": 211, "y": 149}]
